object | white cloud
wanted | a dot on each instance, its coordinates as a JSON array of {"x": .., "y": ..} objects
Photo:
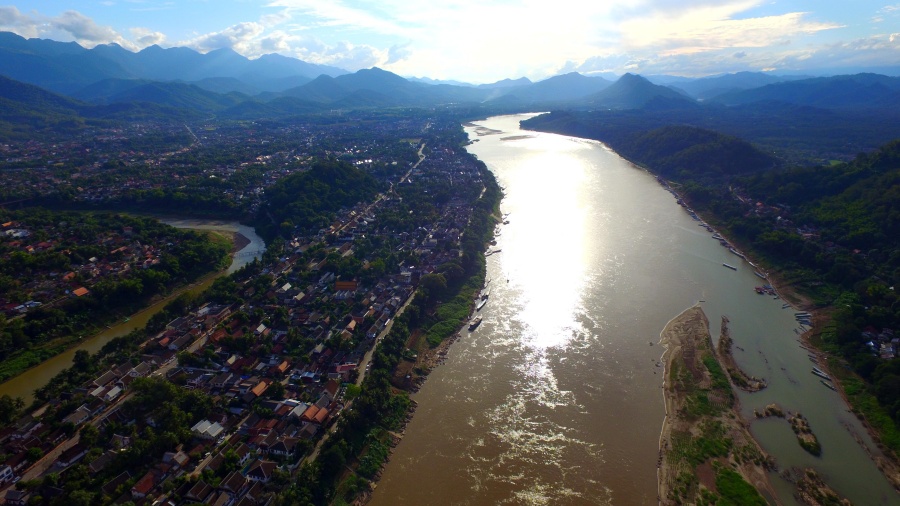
[
  {"x": 11, "y": 20},
  {"x": 715, "y": 27},
  {"x": 73, "y": 26},
  {"x": 144, "y": 37},
  {"x": 239, "y": 37}
]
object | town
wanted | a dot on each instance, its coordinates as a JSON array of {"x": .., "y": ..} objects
[{"x": 238, "y": 390}]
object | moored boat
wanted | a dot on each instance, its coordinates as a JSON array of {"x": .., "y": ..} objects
[
  {"x": 818, "y": 372},
  {"x": 474, "y": 323}
]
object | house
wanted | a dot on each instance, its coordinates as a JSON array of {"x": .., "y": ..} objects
[
  {"x": 261, "y": 471},
  {"x": 78, "y": 416},
  {"x": 16, "y": 497},
  {"x": 72, "y": 455},
  {"x": 207, "y": 430},
  {"x": 112, "y": 394},
  {"x": 145, "y": 485},
  {"x": 199, "y": 492},
  {"x": 6, "y": 473},
  {"x": 234, "y": 484},
  {"x": 101, "y": 462},
  {"x": 284, "y": 447}
]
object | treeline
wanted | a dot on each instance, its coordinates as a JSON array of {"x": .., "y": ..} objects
[
  {"x": 672, "y": 151},
  {"x": 309, "y": 200},
  {"x": 799, "y": 135}
]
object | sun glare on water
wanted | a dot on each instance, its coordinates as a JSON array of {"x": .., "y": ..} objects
[{"x": 547, "y": 261}]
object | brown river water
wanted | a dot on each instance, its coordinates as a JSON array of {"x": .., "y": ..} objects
[{"x": 556, "y": 398}]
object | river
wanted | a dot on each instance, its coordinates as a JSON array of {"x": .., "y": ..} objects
[
  {"x": 26, "y": 383},
  {"x": 556, "y": 398}
]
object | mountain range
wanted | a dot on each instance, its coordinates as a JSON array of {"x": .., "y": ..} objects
[{"x": 226, "y": 83}]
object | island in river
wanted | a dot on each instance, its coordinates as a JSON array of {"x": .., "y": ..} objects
[{"x": 706, "y": 450}]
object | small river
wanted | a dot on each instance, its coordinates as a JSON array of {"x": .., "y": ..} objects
[
  {"x": 556, "y": 398},
  {"x": 26, "y": 383}
]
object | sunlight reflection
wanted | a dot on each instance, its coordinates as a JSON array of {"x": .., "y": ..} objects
[{"x": 547, "y": 260}]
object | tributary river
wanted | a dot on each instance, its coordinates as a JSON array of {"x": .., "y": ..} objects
[
  {"x": 556, "y": 398},
  {"x": 26, "y": 383}
]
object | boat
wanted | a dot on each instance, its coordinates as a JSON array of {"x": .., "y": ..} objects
[
  {"x": 829, "y": 385},
  {"x": 759, "y": 274},
  {"x": 730, "y": 267},
  {"x": 818, "y": 372},
  {"x": 474, "y": 323},
  {"x": 480, "y": 304}
]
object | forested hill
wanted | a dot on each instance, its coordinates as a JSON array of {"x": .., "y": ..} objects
[
  {"x": 675, "y": 152},
  {"x": 856, "y": 204},
  {"x": 308, "y": 200}
]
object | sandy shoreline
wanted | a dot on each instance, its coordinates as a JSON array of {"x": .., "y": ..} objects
[{"x": 716, "y": 421}]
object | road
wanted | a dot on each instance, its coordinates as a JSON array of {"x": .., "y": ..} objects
[{"x": 363, "y": 370}]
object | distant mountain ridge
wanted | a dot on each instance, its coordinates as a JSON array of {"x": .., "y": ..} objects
[
  {"x": 836, "y": 92},
  {"x": 66, "y": 67}
]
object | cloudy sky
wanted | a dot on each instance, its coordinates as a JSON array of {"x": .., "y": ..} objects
[{"x": 487, "y": 40}]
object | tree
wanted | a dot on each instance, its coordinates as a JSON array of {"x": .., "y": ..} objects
[
  {"x": 89, "y": 435},
  {"x": 82, "y": 361},
  {"x": 434, "y": 285},
  {"x": 9, "y": 408},
  {"x": 34, "y": 454}
]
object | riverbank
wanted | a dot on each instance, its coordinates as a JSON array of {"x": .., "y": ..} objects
[
  {"x": 29, "y": 376},
  {"x": 860, "y": 402},
  {"x": 706, "y": 450}
]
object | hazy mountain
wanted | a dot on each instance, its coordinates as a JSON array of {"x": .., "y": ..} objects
[
  {"x": 708, "y": 87},
  {"x": 562, "y": 88},
  {"x": 378, "y": 88},
  {"x": 633, "y": 92},
  {"x": 428, "y": 80},
  {"x": 172, "y": 94},
  {"x": 860, "y": 91},
  {"x": 68, "y": 67},
  {"x": 28, "y": 112},
  {"x": 230, "y": 84},
  {"x": 321, "y": 89},
  {"x": 506, "y": 83},
  {"x": 57, "y": 66}
]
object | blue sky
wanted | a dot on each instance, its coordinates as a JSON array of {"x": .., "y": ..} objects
[{"x": 487, "y": 40}]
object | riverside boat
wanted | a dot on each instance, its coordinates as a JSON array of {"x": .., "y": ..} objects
[
  {"x": 827, "y": 384},
  {"x": 480, "y": 304},
  {"x": 818, "y": 372},
  {"x": 730, "y": 267},
  {"x": 474, "y": 323}
]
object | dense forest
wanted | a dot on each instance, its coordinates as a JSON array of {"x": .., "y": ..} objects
[
  {"x": 678, "y": 152},
  {"x": 798, "y": 135},
  {"x": 308, "y": 200}
]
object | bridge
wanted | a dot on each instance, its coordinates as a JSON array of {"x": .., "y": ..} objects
[{"x": 251, "y": 253}]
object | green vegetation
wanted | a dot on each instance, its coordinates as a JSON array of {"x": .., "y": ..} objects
[
  {"x": 679, "y": 152},
  {"x": 123, "y": 262},
  {"x": 735, "y": 490},
  {"x": 308, "y": 200}
]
